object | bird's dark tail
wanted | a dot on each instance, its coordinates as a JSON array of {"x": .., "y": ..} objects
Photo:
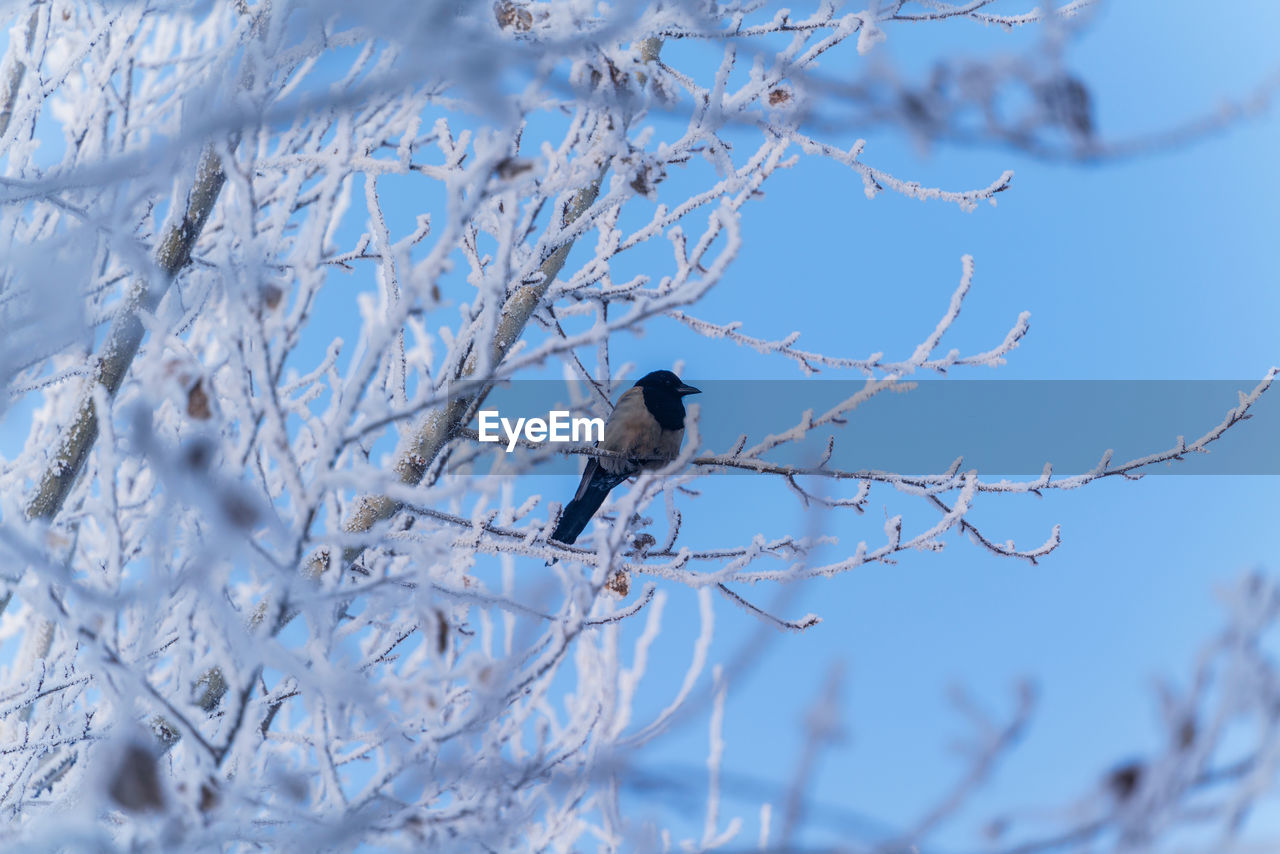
[{"x": 578, "y": 512}]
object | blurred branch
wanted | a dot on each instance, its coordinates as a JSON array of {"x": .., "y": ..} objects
[
  {"x": 13, "y": 84},
  {"x": 172, "y": 256}
]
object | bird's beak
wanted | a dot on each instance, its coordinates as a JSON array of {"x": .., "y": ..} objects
[{"x": 685, "y": 390}]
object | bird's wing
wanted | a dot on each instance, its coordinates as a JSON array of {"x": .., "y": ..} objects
[
  {"x": 587, "y": 473},
  {"x": 631, "y": 430},
  {"x": 669, "y": 445}
]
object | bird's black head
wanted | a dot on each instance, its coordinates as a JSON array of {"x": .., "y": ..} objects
[
  {"x": 663, "y": 391},
  {"x": 665, "y": 381}
]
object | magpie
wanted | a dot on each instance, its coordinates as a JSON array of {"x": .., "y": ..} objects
[{"x": 644, "y": 431}]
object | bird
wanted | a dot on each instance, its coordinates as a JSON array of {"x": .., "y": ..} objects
[{"x": 644, "y": 431}]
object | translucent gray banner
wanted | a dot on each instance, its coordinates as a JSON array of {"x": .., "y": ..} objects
[{"x": 998, "y": 427}]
